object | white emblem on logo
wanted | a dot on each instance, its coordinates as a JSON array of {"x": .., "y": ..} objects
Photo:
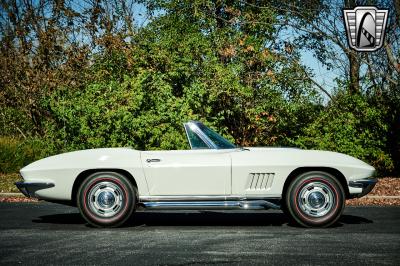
[{"x": 365, "y": 26}]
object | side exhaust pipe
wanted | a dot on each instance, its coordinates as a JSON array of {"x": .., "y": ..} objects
[{"x": 196, "y": 205}]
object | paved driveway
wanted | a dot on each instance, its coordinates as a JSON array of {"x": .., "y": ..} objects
[{"x": 45, "y": 233}]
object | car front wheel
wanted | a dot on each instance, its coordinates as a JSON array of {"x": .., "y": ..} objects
[
  {"x": 315, "y": 199},
  {"x": 106, "y": 199}
]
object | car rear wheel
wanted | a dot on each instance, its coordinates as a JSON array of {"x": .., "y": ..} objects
[
  {"x": 315, "y": 199},
  {"x": 106, "y": 199}
]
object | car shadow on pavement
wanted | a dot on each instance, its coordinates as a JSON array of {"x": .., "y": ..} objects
[
  {"x": 62, "y": 218},
  {"x": 201, "y": 218},
  {"x": 209, "y": 218},
  {"x": 351, "y": 219}
]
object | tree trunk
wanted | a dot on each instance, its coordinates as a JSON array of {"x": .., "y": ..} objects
[{"x": 354, "y": 63}]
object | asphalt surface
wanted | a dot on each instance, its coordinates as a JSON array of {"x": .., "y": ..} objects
[{"x": 45, "y": 233}]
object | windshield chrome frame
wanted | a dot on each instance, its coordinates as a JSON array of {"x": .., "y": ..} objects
[{"x": 193, "y": 126}]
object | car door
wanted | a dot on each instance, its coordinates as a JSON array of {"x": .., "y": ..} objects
[{"x": 187, "y": 172}]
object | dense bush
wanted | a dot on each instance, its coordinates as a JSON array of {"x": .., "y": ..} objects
[
  {"x": 15, "y": 153},
  {"x": 140, "y": 112},
  {"x": 144, "y": 113},
  {"x": 351, "y": 125},
  {"x": 14, "y": 122}
]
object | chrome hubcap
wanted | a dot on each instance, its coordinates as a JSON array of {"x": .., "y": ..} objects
[
  {"x": 316, "y": 199},
  {"x": 105, "y": 199}
]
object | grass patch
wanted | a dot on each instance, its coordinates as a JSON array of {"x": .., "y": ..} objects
[{"x": 7, "y": 182}]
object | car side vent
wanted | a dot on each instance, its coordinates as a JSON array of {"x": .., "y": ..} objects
[{"x": 260, "y": 181}]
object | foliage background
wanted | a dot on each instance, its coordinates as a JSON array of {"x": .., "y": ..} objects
[{"x": 95, "y": 73}]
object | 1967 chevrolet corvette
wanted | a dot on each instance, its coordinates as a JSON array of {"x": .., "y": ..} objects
[{"x": 107, "y": 185}]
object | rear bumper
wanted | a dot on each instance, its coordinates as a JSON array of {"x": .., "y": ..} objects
[
  {"x": 365, "y": 184},
  {"x": 29, "y": 188}
]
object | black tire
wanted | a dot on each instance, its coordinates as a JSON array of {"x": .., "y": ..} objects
[
  {"x": 106, "y": 199},
  {"x": 314, "y": 199}
]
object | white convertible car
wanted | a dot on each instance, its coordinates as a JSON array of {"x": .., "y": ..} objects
[{"x": 107, "y": 185}]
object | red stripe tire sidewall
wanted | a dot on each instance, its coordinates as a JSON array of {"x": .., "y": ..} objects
[
  {"x": 95, "y": 217},
  {"x": 319, "y": 219}
]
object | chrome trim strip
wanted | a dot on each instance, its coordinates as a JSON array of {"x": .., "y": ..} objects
[
  {"x": 29, "y": 188},
  {"x": 186, "y": 127},
  {"x": 187, "y": 198},
  {"x": 190, "y": 204}
]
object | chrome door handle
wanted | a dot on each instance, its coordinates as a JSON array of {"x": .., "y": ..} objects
[{"x": 153, "y": 160}]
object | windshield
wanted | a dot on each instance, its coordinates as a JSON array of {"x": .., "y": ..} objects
[
  {"x": 195, "y": 141},
  {"x": 216, "y": 138}
]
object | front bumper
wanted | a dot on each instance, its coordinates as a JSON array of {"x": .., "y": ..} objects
[
  {"x": 365, "y": 184},
  {"x": 29, "y": 188}
]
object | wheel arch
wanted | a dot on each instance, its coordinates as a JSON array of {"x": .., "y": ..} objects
[
  {"x": 83, "y": 175},
  {"x": 301, "y": 170}
]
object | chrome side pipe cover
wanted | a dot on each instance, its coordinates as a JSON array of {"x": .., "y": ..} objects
[{"x": 245, "y": 204}]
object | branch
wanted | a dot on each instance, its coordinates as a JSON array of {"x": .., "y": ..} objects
[
  {"x": 320, "y": 87},
  {"x": 12, "y": 123},
  {"x": 391, "y": 58},
  {"x": 380, "y": 72},
  {"x": 317, "y": 84}
]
